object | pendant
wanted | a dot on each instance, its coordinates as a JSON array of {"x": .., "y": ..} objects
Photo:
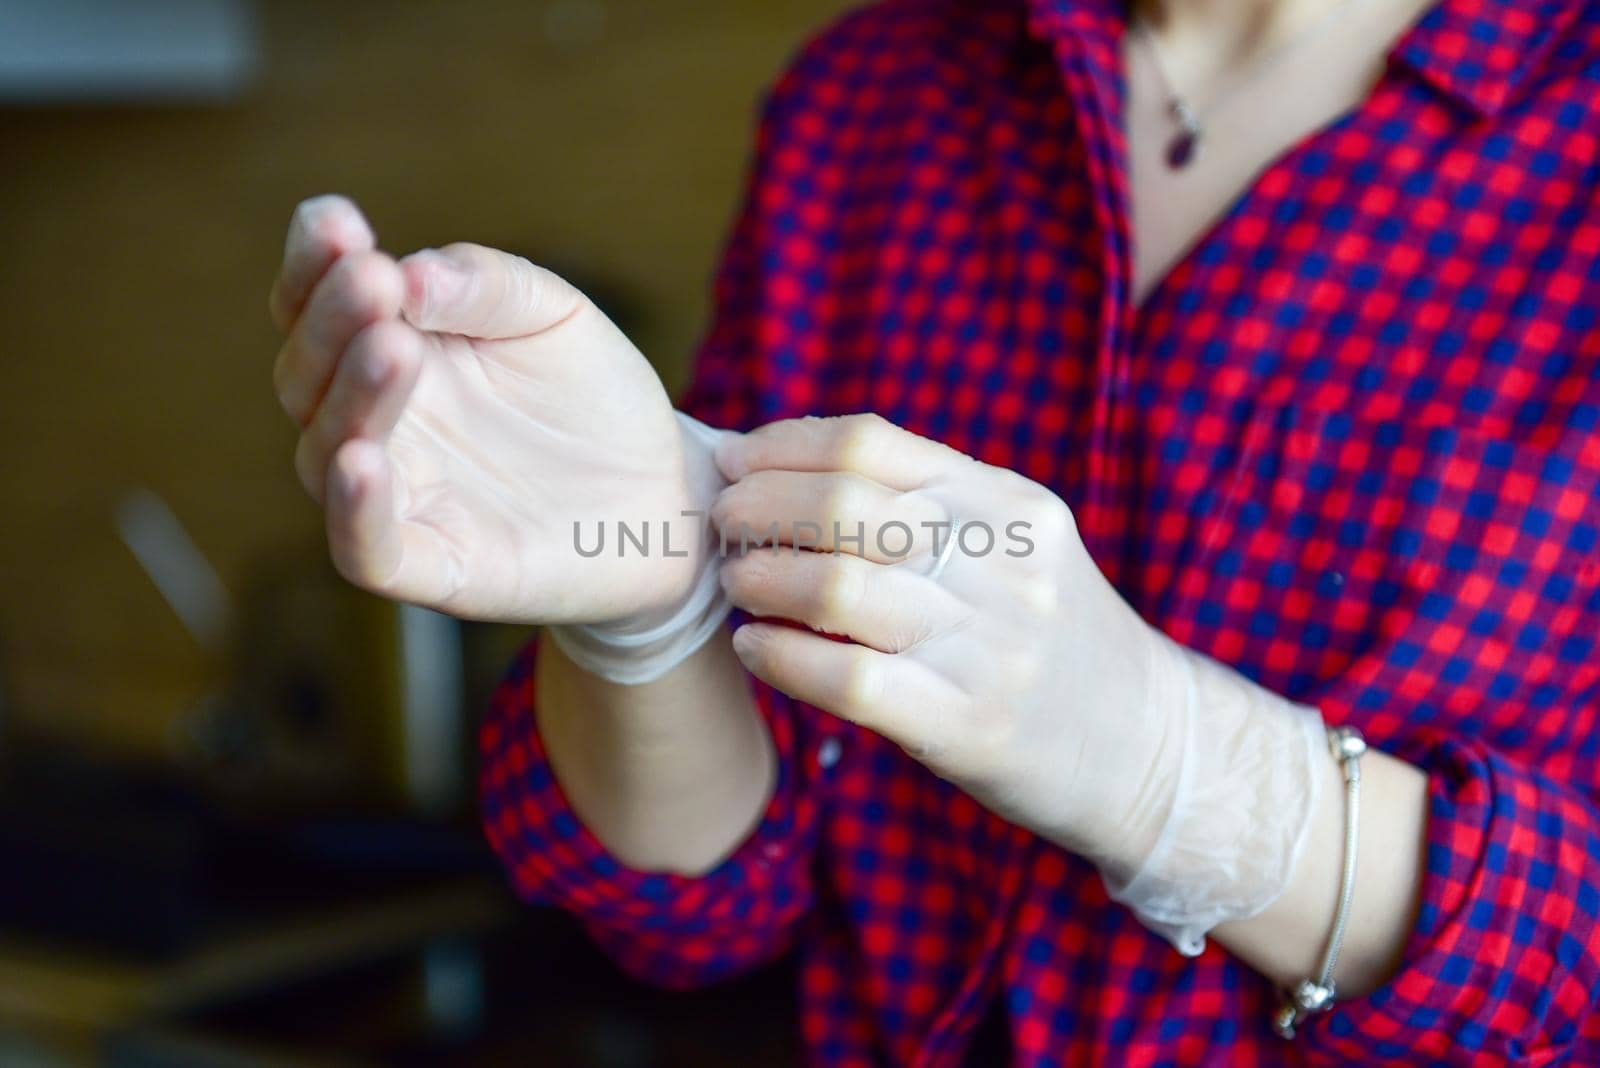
[
  {"x": 1182, "y": 149},
  {"x": 1185, "y": 144}
]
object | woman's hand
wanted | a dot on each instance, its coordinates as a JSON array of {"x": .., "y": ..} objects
[
  {"x": 460, "y": 411},
  {"x": 1019, "y": 674}
]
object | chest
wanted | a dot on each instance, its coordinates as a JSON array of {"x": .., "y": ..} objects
[
  {"x": 1352, "y": 435},
  {"x": 1239, "y": 113}
]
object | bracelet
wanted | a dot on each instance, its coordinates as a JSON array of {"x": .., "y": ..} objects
[{"x": 1316, "y": 995}]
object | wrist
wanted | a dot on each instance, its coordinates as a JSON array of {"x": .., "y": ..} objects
[
  {"x": 647, "y": 644},
  {"x": 1165, "y": 700},
  {"x": 1239, "y": 799},
  {"x": 688, "y": 546}
]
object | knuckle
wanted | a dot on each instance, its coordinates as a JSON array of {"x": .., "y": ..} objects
[
  {"x": 1053, "y": 524},
  {"x": 374, "y": 354},
  {"x": 1037, "y": 597},
  {"x": 845, "y": 498},
  {"x": 860, "y": 436},
  {"x": 842, "y": 590},
  {"x": 1047, "y": 515},
  {"x": 861, "y": 687}
]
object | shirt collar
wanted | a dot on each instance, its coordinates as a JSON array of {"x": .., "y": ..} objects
[
  {"x": 1473, "y": 51},
  {"x": 1477, "y": 51}
]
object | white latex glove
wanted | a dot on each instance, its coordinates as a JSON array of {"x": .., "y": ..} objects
[
  {"x": 460, "y": 410},
  {"x": 1018, "y": 674}
]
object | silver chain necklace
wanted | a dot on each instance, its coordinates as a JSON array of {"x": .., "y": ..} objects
[{"x": 1184, "y": 147}]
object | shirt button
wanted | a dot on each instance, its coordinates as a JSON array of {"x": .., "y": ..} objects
[
  {"x": 828, "y": 753},
  {"x": 773, "y": 850}
]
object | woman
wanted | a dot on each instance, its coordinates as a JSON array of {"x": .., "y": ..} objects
[{"x": 1270, "y": 323}]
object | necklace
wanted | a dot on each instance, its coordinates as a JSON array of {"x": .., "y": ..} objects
[{"x": 1184, "y": 147}]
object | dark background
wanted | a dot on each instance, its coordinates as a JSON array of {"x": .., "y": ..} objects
[{"x": 252, "y": 842}]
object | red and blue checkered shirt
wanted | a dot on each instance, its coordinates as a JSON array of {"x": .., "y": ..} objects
[{"x": 1348, "y": 445}]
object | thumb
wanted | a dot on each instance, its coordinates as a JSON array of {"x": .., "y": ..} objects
[{"x": 483, "y": 292}]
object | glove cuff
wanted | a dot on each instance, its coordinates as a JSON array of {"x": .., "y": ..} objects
[
  {"x": 1247, "y": 785},
  {"x": 644, "y": 648}
]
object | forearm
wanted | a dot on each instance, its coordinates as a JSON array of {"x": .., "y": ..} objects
[
  {"x": 670, "y": 775},
  {"x": 1234, "y": 829},
  {"x": 1285, "y": 942}
]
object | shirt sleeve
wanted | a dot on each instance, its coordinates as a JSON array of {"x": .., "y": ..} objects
[
  {"x": 1503, "y": 964},
  {"x": 673, "y": 930},
  {"x": 668, "y": 929}
]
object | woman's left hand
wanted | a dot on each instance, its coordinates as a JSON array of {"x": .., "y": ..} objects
[{"x": 1018, "y": 673}]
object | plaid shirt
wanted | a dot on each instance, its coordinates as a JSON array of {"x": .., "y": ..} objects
[{"x": 1348, "y": 445}]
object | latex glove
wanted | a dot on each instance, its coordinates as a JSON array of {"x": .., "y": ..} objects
[
  {"x": 1019, "y": 674},
  {"x": 460, "y": 410}
]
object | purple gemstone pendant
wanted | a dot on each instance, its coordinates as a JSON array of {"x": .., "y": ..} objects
[
  {"x": 1182, "y": 149},
  {"x": 1185, "y": 144}
]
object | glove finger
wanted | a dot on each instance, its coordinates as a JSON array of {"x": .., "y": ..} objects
[
  {"x": 372, "y": 544},
  {"x": 322, "y": 230},
  {"x": 482, "y": 292},
  {"x": 831, "y": 511},
  {"x": 868, "y": 445},
  {"x": 361, "y": 288},
  {"x": 373, "y": 382},
  {"x": 889, "y": 695},
  {"x": 890, "y": 609}
]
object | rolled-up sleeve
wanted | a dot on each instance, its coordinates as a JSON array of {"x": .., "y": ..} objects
[
  {"x": 673, "y": 930},
  {"x": 1503, "y": 964}
]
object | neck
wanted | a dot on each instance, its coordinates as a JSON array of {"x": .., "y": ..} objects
[{"x": 1228, "y": 31}]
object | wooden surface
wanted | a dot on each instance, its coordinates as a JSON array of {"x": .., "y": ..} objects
[{"x": 140, "y": 241}]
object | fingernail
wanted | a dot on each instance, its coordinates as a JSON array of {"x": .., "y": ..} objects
[
  {"x": 745, "y": 639},
  {"x": 311, "y": 210},
  {"x": 312, "y": 216},
  {"x": 443, "y": 281}
]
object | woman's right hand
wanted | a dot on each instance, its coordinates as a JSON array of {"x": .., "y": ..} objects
[{"x": 460, "y": 410}]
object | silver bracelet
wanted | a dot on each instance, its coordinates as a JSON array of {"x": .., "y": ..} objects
[{"x": 1316, "y": 995}]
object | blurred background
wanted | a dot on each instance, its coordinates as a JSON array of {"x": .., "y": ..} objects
[{"x": 236, "y": 796}]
